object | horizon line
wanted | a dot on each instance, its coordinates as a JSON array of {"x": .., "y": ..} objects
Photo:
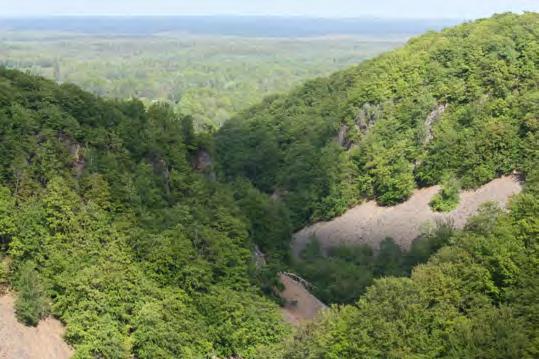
[{"x": 284, "y": 16}]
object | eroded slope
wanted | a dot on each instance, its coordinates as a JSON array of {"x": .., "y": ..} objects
[
  {"x": 18, "y": 341},
  {"x": 370, "y": 223}
]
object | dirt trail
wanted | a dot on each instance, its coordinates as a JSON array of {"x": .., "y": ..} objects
[
  {"x": 18, "y": 341},
  {"x": 369, "y": 223},
  {"x": 300, "y": 304}
]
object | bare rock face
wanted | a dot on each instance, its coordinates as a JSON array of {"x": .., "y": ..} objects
[
  {"x": 367, "y": 117},
  {"x": 431, "y": 119},
  {"x": 202, "y": 161},
  {"x": 259, "y": 258},
  {"x": 76, "y": 151},
  {"x": 278, "y": 194},
  {"x": 79, "y": 163},
  {"x": 342, "y": 138}
]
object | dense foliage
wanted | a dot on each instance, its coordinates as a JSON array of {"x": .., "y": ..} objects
[
  {"x": 458, "y": 108},
  {"x": 459, "y": 103},
  {"x": 344, "y": 273},
  {"x": 102, "y": 212}
]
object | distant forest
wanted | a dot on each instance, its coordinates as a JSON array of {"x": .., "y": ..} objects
[
  {"x": 207, "y": 67},
  {"x": 210, "y": 78},
  {"x": 245, "y": 26}
]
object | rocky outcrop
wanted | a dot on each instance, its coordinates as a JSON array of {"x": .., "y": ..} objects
[
  {"x": 342, "y": 139},
  {"x": 278, "y": 194},
  {"x": 367, "y": 117},
  {"x": 431, "y": 119},
  {"x": 79, "y": 163},
  {"x": 259, "y": 258},
  {"x": 202, "y": 161},
  {"x": 76, "y": 151}
]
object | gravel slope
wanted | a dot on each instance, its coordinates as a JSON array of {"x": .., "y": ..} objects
[
  {"x": 18, "y": 341},
  {"x": 300, "y": 304},
  {"x": 369, "y": 223}
]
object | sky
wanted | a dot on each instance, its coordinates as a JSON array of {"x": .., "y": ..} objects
[{"x": 458, "y": 9}]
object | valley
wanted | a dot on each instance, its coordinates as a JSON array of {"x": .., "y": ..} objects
[{"x": 132, "y": 226}]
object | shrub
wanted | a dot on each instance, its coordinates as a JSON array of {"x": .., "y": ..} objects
[
  {"x": 4, "y": 275},
  {"x": 448, "y": 197},
  {"x": 31, "y": 304}
]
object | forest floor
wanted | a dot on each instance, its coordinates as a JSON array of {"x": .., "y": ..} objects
[
  {"x": 370, "y": 224},
  {"x": 18, "y": 341}
]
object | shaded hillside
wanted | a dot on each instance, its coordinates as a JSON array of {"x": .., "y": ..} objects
[
  {"x": 102, "y": 215},
  {"x": 461, "y": 103}
]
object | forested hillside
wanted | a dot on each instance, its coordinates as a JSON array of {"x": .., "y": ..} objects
[
  {"x": 142, "y": 235},
  {"x": 459, "y": 105},
  {"x": 108, "y": 227},
  {"x": 457, "y": 108}
]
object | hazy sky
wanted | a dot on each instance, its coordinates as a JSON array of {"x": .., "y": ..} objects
[{"x": 462, "y": 9}]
